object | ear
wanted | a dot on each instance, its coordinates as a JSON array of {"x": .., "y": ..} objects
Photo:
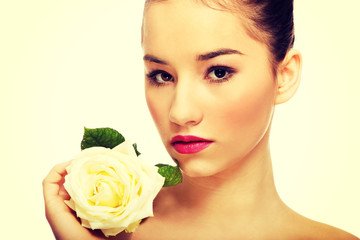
[{"x": 288, "y": 76}]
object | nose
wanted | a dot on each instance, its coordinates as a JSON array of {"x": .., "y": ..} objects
[{"x": 185, "y": 110}]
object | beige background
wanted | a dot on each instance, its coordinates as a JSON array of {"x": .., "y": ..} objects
[{"x": 68, "y": 64}]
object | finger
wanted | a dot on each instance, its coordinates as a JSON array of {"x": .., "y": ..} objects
[
  {"x": 63, "y": 193},
  {"x": 55, "y": 178},
  {"x": 57, "y": 173}
]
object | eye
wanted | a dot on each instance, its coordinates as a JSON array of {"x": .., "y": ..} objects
[
  {"x": 159, "y": 77},
  {"x": 219, "y": 73}
]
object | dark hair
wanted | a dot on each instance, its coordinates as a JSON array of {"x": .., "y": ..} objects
[
  {"x": 270, "y": 22},
  {"x": 274, "y": 18}
]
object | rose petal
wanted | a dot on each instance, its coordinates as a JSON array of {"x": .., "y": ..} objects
[
  {"x": 112, "y": 189},
  {"x": 126, "y": 148}
]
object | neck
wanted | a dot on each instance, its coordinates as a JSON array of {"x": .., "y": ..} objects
[{"x": 247, "y": 188}]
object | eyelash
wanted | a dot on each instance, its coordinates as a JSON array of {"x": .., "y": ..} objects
[
  {"x": 229, "y": 73},
  {"x": 152, "y": 76}
]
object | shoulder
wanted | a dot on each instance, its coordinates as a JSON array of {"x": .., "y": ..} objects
[
  {"x": 324, "y": 231},
  {"x": 167, "y": 200},
  {"x": 311, "y": 229},
  {"x": 167, "y": 221}
]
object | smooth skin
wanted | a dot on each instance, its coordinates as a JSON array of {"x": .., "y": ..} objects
[
  {"x": 228, "y": 190},
  {"x": 206, "y": 76}
]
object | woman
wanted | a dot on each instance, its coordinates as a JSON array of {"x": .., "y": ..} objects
[{"x": 214, "y": 72}]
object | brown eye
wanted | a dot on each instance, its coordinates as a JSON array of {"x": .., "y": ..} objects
[
  {"x": 159, "y": 77},
  {"x": 220, "y": 73},
  {"x": 163, "y": 77}
]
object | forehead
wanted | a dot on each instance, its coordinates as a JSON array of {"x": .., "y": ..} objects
[{"x": 191, "y": 24}]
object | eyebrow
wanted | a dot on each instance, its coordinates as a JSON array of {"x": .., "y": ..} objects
[
  {"x": 154, "y": 59},
  {"x": 202, "y": 57},
  {"x": 219, "y": 52}
]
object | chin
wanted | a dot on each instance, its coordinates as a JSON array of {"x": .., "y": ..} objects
[{"x": 197, "y": 168}]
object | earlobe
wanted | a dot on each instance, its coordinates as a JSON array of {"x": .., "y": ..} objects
[{"x": 288, "y": 76}]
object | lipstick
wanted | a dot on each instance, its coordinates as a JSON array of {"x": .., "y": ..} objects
[{"x": 189, "y": 144}]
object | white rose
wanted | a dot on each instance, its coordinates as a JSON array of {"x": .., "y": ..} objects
[{"x": 112, "y": 189}]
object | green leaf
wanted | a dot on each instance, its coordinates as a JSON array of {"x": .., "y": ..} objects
[
  {"x": 101, "y": 137},
  {"x": 172, "y": 174},
  {"x": 136, "y": 149}
]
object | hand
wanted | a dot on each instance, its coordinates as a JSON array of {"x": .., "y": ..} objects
[{"x": 61, "y": 218}]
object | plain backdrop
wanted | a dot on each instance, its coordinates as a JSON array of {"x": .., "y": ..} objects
[{"x": 69, "y": 64}]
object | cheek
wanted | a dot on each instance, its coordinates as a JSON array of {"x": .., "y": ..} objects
[
  {"x": 153, "y": 106},
  {"x": 158, "y": 107},
  {"x": 248, "y": 111}
]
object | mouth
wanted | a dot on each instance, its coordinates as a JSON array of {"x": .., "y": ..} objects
[{"x": 189, "y": 144}]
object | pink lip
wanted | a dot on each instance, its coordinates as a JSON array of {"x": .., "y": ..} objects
[{"x": 189, "y": 144}]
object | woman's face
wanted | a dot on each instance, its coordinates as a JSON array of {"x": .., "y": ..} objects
[{"x": 205, "y": 77}]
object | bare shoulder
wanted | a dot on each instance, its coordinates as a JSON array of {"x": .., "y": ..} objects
[
  {"x": 164, "y": 223},
  {"x": 171, "y": 221},
  {"x": 316, "y": 230},
  {"x": 325, "y": 231}
]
